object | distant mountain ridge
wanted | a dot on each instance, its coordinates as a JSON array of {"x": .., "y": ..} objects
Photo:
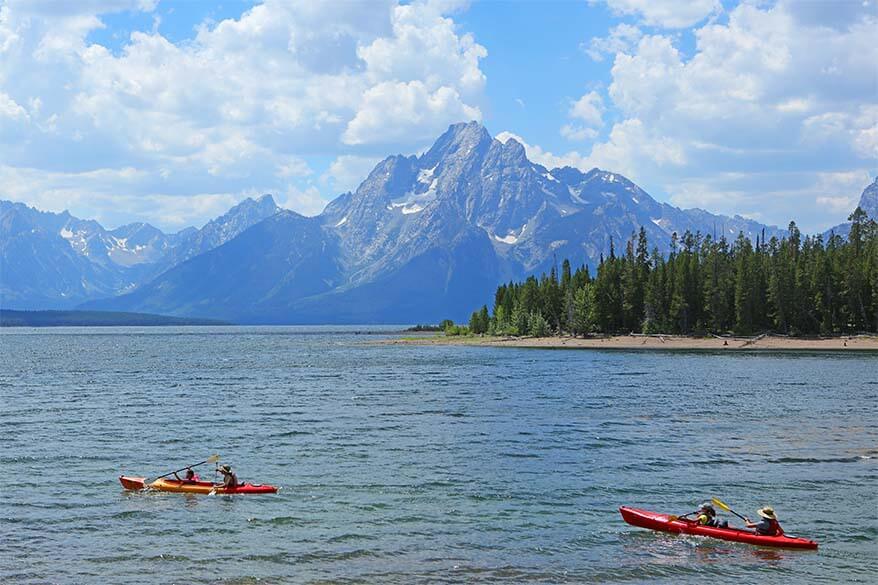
[
  {"x": 56, "y": 260},
  {"x": 421, "y": 239}
]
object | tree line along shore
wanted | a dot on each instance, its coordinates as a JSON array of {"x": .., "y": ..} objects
[{"x": 795, "y": 286}]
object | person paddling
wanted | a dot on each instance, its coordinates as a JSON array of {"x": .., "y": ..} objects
[
  {"x": 191, "y": 476},
  {"x": 707, "y": 516},
  {"x": 230, "y": 480},
  {"x": 768, "y": 526}
]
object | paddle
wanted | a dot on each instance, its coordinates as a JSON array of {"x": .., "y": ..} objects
[
  {"x": 211, "y": 459},
  {"x": 720, "y": 504},
  {"x": 672, "y": 517}
]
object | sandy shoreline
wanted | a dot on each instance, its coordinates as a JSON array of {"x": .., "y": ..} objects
[{"x": 657, "y": 342}]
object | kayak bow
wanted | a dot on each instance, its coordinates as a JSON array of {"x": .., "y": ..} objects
[
  {"x": 664, "y": 523},
  {"x": 193, "y": 487}
]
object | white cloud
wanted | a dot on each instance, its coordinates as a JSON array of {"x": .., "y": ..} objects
[
  {"x": 577, "y": 132},
  {"x": 665, "y": 13},
  {"x": 544, "y": 157},
  {"x": 308, "y": 201},
  {"x": 589, "y": 110},
  {"x": 235, "y": 107},
  {"x": 587, "y": 115},
  {"x": 622, "y": 38},
  {"x": 843, "y": 204},
  {"x": 393, "y": 111},
  {"x": 858, "y": 129},
  {"x": 10, "y": 109},
  {"x": 632, "y": 149},
  {"x": 293, "y": 167},
  {"x": 347, "y": 172},
  {"x": 114, "y": 196},
  {"x": 766, "y": 102},
  {"x": 425, "y": 47}
]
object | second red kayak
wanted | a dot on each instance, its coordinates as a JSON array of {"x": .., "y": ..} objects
[
  {"x": 193, "y": 487},
  {"x": 666, "y": 523}
]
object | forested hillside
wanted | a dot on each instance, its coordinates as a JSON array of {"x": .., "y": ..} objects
[{"x": 794, "y": 285}]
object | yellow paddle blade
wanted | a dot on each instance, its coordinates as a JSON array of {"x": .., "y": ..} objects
[
  {"x": 720, "y": 504},
  {"x": 213, "y": 458}
]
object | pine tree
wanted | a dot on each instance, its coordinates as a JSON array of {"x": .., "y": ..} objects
[
  {"x": 582, "y": 310},
  {"x": 744, "y": 293},
  {"x": 484, "y": 320}
]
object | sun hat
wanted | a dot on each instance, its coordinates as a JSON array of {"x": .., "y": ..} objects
[
  {"x": 767, "y": 512},
  {"x": 226, "y": 467}
]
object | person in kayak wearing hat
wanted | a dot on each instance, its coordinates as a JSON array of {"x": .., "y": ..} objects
[
  {"x": 707, "y": 516},
  {"x": 191, "y": 476},
  {"x": 230, "y": 480},
  {"x": 768, "y": 526}
]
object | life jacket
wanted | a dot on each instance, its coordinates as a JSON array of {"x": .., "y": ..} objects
[
  {"x": 706, "y": 520},
  {"x": 774, "y": 528}
]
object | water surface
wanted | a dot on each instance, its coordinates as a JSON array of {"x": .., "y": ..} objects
[{"x": 404, "y": 464}]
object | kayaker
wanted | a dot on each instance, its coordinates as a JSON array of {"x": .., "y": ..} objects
[
  {"x": 191, "y": 476},
  {"x": 768, "y": 526},
  {"x": 707, "y": 516},
  {"x": 230, "y": 480}
]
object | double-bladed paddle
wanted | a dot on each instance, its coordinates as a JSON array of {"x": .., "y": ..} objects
[
  {"x": 211, "y": 459},
  {"x": 720, "y": 504}
]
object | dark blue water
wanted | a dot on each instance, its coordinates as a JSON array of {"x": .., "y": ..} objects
[{"x": 403, "y": 464}]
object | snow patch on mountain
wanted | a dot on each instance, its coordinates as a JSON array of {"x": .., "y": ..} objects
[
  {"x": 426, "y": 175},
  {"x": 507, "y": 239},
  {"x": 413, "y": 202}
]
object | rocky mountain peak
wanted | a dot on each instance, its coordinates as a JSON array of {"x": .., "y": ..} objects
[
  {"x": 459, "y": 141},
  {"x": 869, "y": 200},
  {"x": 514, "y": 150}
]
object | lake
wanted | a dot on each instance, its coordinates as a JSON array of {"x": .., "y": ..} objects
[{"x": 412, "y": 464}]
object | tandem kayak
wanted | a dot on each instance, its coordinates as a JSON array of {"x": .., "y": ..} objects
[
  {"x": 193, "y": 487},
  {"x": 665, "y": 523}
]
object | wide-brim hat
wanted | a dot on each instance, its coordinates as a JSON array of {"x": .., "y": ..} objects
[
  {"x": 767, "y": 512},
  {"x": 226, "y": 467}
]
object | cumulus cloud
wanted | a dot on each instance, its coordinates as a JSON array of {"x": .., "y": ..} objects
[
  {"x": 308, "y": 201},
  {"x": 544, "y": 157},
  {"x": 393, "y": 111},
  {"x": 346, "y": 172},
  {"x": 586, "y": 114},
  {"x": 239, "y": 105},
  {"x": 622, "y": 38},
  {"x": 774, "y": 110},
  {"x": 664, "y": 13}
]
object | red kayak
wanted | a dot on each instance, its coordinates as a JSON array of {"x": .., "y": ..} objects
[
  {"x": 666, "y": 523},
  {"x": 193, "y": 487}
]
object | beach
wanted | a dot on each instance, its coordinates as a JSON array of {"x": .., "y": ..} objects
[{"x": 657, "y": 342}]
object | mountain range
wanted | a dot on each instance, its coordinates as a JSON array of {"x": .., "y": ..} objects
[
  {"x": 57, "y": 261},
  {"x": 422, "y": 238}
]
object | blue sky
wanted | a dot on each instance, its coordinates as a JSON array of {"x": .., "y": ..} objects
[{"x": 171, "y": 112}]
